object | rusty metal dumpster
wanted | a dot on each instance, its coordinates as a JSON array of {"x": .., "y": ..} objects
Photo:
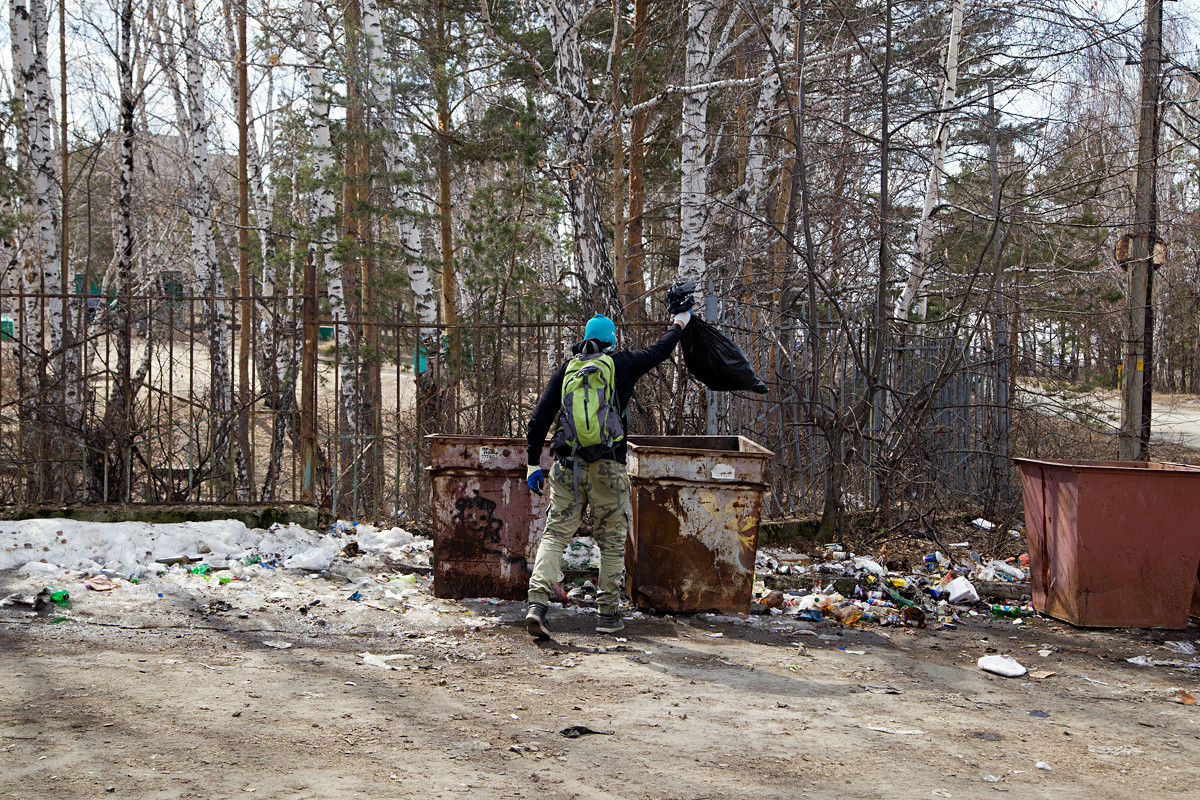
[
  {"x": 696, "y": 506},
  {"x": 486, "y": 522},
  {"x": 1112, "y": 543}
]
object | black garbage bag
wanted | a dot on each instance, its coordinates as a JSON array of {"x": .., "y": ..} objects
[{"x": 716, "y": 361}]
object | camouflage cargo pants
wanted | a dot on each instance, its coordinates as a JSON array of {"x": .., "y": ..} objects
[{"x": 604, "y": 486}]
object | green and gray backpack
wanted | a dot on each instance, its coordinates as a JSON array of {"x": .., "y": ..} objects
[{"x": 589, "y": 424}]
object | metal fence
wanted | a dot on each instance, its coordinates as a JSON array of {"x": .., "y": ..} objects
[
  {"x": 139, "y": 403},
  {"x": 934, "y": 438}
]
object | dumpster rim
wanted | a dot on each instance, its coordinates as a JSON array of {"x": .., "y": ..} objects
[
  {"x": 1141, "y": 467},
  {"x": 759, "y": 452}
]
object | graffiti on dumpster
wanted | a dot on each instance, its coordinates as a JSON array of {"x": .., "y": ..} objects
[
  {"x": 475, "y": 517},
  {"x": 477, "y": 543}
]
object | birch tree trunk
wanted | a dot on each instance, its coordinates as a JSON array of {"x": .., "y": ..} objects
[
  {"x": 918, "y": 273},
  {"x": 395, "y": 145},
  {"x": 204, "y": 257},
  {"x": 634, "y": 285},
  {"x": 693, "y": 162},
  {"x": 758, "y": 146},
  {"x": 563, "y": 19},
  {"x": 112, "y": 443},
  {"x": 325, "y": 209},
  {"x": 42, "y": 269}
]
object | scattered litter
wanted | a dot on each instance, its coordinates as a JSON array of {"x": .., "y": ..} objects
[
  {"x": 277, "y": 644},
  {"x": 962, "y": 590},
  {"x": 314, "y": 559},
  {"x": 1185, "y": 698},
  {"x": 895, "y": 731},
  {"x": 1044, "y": 765},
  {"x": 1090, "y": 680},
  {"x": 1039, "y": 714},
  {"x": 715, "y": 635},
  {"x": 1041, "y": 674},
  {"x": 1001, "y": 665},
  {"x": 1185, "y": 648},
  {"x": 990, "y": 778},
  {"x": 371, "y": 660},
  {"x": 1146, "y": 661},
  {"x": 983, "y": 524},
  {"x": 100, "y": 583},
  {"x": 575, "y": 731}
]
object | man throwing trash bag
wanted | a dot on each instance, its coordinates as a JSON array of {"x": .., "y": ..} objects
[{"x": 587, "y": 399}]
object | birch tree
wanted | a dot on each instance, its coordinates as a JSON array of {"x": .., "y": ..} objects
[
  {"x": 325, "y": 213},
  {"x": 564, "y": 19},
  {"x": 941, "y": 138},
  {"x": 41, "y": 261},
  {"x": 204, "y": 260},
  {"x": 39, "y": 253},
  {"x": 750, "y": 194},
  {"x": 694, "y": 143},
  {"x": 404, "y": 201}
]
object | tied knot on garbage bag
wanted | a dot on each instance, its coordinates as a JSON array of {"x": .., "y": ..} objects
[
  {"x": 679, "y": 297},
  {"x": 711, "y": 356}
]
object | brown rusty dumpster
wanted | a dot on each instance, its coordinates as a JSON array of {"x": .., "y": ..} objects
[
  {"x": 696, "y": 506},
  {"x": 486, "y": 522},
  {"x": 1112, "y": 543}
]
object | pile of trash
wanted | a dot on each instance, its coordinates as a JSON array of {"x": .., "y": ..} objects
[
  {"x": 132, "y": 550},
  {"x": 222, "y": 567},
  {"x": 943, "y": 589}
]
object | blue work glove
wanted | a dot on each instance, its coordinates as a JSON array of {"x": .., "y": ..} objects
[{"x": 535, "y": 478}]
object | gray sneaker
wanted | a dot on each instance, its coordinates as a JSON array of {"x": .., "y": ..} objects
[
  {"x": 609, "y": 623},
  {"x": 535, "y": 621}
]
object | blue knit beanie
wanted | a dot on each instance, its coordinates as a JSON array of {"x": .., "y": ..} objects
[{"x": 602, "y": 328}]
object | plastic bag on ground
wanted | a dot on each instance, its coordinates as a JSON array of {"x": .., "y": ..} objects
[
  {"x": 716, "y": 361},
  {"x": 1001, "y": 665}
]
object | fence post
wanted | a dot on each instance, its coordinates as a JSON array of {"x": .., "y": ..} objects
[
  {"x": 308, "y": 384},
  {"x": 711, "y": 315}
]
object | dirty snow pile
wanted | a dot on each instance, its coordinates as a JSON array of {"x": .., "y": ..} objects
[{"x": 133, "y": 549}]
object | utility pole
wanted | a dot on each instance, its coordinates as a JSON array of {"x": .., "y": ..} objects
[{"x": 1139, "y": 253}]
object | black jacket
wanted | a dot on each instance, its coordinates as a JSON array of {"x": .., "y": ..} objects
[{"x": 629, "y": 365}]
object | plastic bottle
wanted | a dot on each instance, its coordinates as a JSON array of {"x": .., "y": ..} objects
[
  {"x": 1007, "y": 611},
  {"x": 60, "y": 597}
]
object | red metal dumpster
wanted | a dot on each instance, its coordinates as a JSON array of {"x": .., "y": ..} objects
[
  {"x": 1112, "y": 543},
  {"x": 486, "y": 522},
  {"x": 696, "y": 506}
]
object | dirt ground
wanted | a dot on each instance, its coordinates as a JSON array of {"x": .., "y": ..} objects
[{"x": 182, "y": 697}]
